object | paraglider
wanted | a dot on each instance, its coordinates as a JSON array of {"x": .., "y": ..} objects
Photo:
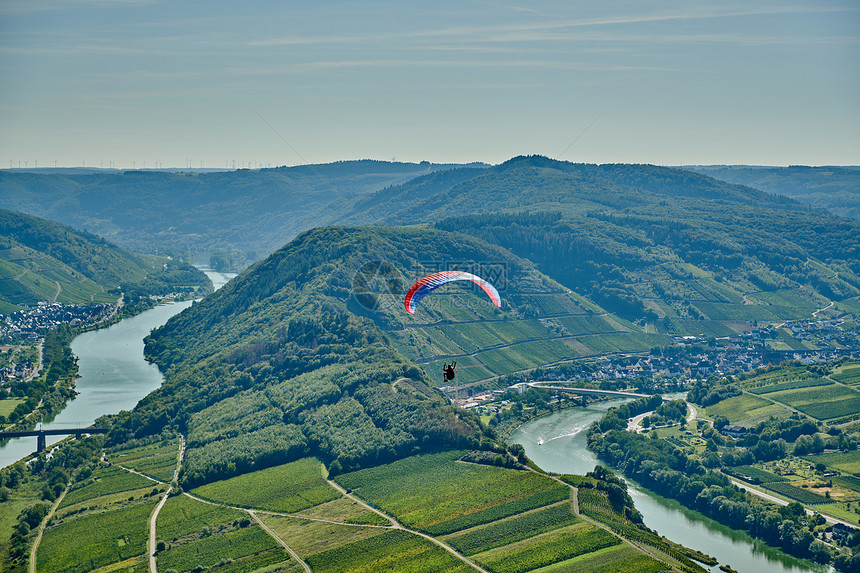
[
  {"x": 428, "y": 284},
  {"x": 448, "y": 370}
]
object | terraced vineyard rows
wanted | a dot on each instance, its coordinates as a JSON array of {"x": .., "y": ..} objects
[
  {"x": 444, "y": 515},
  {"x": 563, "y": 327}
]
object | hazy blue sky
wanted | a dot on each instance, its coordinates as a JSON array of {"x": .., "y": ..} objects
[{"x": 668, "y": 82}]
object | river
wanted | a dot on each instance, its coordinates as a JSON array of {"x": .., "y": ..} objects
[
  {"x": 113, "y": 374},
  {"x": 563, "y": 450}
]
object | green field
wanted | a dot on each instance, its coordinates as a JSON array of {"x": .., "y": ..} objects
[
  {"x": 105, "y": 481},
  {"x": 848, "y": 374},
  {"x": 307, "y": 537},
  {"x": 614, "y": 559},
  {"x": 547, "y": 549},
  {"x": 345, "y": 510},
  {"x": 848, "y": 462},
  {"x": 848, "y": 482},
  {"x": 525, "y": 355},
  {"x": 286, "y": 488},
  {"x": 468, "y": 370},
  {"x": 123, "y": 455},
  {"x": 794, "y": 492},
  {"x": 688, "y": 327},
  {"x": 95, "y": 540},
  {"x": 557, "y": 304},
  {"x": 161, "y": 467},
  {"x": 791, "y": 385},
  {"x": 182, "y": 516},
  {"x": 586, "y": 324},
  {"x": 754, "y": 475},
  {"x": 8, "y": 405},
  {"x": 746, "y": 408},
  {"x": 512, "y": 529},
  {"x": 823, "y": 403},
  {"x": 851, "y": 305},
  {"x": 438, "y": 495},
  {"x": 244, "y": 549},
  {"x": 746, "y": 312},
  {"x": 390, "y": 551}
]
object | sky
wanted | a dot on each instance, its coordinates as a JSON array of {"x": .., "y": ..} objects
[{"x": 146, "y": 83}]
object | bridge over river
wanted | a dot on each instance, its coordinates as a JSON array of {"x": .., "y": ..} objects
[
  {"x": 551, "y": 385},
  {"x": 40, "y": 434}
]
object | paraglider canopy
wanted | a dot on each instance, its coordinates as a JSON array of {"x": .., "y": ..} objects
[{"x": 428, "y": 284}]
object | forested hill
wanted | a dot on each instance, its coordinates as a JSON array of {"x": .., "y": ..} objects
[
  {"x": 42, "y": 260},
  {"x": 540, "y": 183},
  {"x": 247, "y": 213},
  {"x": 836, "y": 189},
  {"x": 286, "y": 360},
  {"x": 650, "y": 243},
  {"x": 88, "y": 254}
]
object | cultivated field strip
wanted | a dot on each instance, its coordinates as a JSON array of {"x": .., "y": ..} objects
[{"x": 429, "y": 512}]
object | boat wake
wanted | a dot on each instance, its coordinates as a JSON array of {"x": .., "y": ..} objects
[{"x": 571, "y": 432}]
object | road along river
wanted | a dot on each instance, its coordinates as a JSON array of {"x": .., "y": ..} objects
[
  {"x": 113, "y": 374},
  {"x": 557, "y": 443}
]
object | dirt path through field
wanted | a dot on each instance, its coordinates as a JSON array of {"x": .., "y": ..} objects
[
  {"x": 153, "y": 567},
  {"x": 42, "y": 528}
]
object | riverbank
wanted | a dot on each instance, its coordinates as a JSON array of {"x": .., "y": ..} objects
[
  {"x": 672, "y": 472},
  {"x": 112, "y": 375},
  {"x": 52, "y": 386},
  {"x": 562, "y": 449}
]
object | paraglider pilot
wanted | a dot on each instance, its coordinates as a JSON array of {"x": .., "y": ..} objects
[{"x": 449, "y": 370}]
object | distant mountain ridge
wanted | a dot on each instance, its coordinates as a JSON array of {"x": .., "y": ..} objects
[
  {"x": 539, "y": 183},
  {"x": 247, "y": 212},
  {"x": 836, "y": 189}
]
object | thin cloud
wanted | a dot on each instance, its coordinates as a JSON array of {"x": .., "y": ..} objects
[{"x": 505, "y": 33}]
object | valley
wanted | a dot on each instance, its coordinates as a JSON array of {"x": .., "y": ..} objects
[{"x": 303, "y": 422}]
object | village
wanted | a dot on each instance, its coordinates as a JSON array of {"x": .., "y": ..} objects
[
  {"x": 33, "y": 323},
  {"x": 670, "y": 369}
]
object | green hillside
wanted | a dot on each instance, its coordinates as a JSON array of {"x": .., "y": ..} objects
[
  {"x": 311, "y": 351},
  {"x": 681, "y": 251},
  {"x": 42, "y": 260}
]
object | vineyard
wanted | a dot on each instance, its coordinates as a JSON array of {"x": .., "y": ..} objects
[
  {"x": 797, "y": 493},
  {"x": 506, "y": 520},
  {"x": 91, "y": 541},
  {"x": 392, "y": 551},
  {"x": 286, "y": 488},
  {"x": 824, "y": 403},
  {"x": 512, "y": 529},
  {"x": 182, "y": 516},
  {"x": 438, "y": 495},
  {"x": 103, "y": 482},
  {"x": 244, "y": 549},
  {"x": 553, "y": 547},
  {"x": 848, "y": 374},
  {"x": 157, "y": 460},
  {"x": 754, "y": 475}
]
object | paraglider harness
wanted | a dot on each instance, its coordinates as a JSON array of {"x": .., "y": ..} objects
[{"x": 448, "y": 374}]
